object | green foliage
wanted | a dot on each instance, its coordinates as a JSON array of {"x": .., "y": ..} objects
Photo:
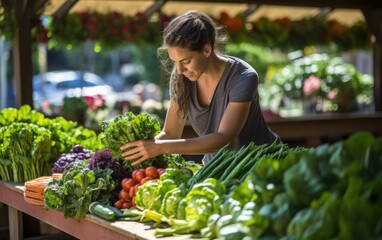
[
  {"x": 31, "y": 143},
  {"x": 328, "y": 192},
  {"x": 154, "y": 195},
  {"x": 26, "y": 149},
  {"x": 8, "y": 22},
  {"x": 320, "y": 75},
  {"x": 74, "y": 109},
  {"x": 259, "y": 57},
  {"x": 126, "y": 128},
  {"x": 78, "y": 188}
]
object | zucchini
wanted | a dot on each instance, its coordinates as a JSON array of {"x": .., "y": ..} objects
[{"x": 102, "y": 211}]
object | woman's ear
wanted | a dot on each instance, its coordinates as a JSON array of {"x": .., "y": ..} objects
[{"x": 207, "y": 50}]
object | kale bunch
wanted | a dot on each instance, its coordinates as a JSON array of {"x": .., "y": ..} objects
[{"x": 103, "y": 159}]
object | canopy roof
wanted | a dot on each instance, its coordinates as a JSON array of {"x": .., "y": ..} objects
[{"x": 253, "y": 11}]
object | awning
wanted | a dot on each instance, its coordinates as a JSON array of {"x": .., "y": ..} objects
[{"x": 128, "y": 7}]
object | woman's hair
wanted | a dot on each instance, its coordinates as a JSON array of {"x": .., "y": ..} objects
[{"x": 192, "y": 31}]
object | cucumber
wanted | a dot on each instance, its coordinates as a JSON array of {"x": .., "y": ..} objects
[
  {"x": 118, "y": 213},
  {"x": 102, "y": 211}
]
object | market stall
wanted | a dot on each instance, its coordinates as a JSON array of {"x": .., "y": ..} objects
[
  {"x": 269, "y": 190},
  {"x": 260, "y": 191},
  {"x": 91, "y": 227}
]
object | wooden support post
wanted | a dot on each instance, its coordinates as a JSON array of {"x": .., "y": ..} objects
[
  {"x": 22, "y": 48},
  {"x": 15, "y": 223},
  {"x": 377, "y": 76},
  {"x": 373, "y": 19}
]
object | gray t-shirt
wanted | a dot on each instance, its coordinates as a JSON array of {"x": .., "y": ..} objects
[{"x": 238, "y": 84}]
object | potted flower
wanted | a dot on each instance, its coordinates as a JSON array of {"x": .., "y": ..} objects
[{"x": 323, "y": 83}]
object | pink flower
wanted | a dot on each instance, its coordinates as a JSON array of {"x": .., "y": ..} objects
[
  {"x": 332, "y": 95},
  {"x": 95, "y": 102},
  {"x": 311, "y": 85}
]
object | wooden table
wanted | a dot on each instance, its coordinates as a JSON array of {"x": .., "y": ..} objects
[
  {"x": 312, "y": 130},
  {"x": 91, "y": 227}
]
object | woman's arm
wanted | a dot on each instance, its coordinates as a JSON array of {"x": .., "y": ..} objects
[
  {"x": 230, "y": 126},
  {"x": 173, "y": 125}
]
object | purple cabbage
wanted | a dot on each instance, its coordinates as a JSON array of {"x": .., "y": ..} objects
[{"x": 77, "y": 153}]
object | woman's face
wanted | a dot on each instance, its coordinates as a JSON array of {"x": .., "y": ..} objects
[{"x": 191, "y": 64}]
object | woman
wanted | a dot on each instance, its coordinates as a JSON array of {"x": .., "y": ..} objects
[{"x": 216, "y": 93}]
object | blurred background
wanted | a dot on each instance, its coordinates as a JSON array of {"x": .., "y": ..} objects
[{"x": 92, "y": 60}]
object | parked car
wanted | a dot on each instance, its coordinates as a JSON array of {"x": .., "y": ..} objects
[{"x": 56, "y": 85}]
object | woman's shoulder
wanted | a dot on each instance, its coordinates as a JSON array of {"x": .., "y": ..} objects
[
  {"x": 239, "y": 62},
  {"x": 240, "y": 70}
]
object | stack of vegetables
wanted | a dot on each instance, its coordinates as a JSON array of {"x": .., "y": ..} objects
[
  {"x": 78, "y": 187},
  {"x": 329, "y": 192},
  {"x": 333, "y": 191},
  {"x": 265, "y": 191},
  {"x": 130, "y": 185},
  {"x": 185, "y": 201},
  {"x": 34, "y": 189},
  {"x": 187, "y": 207},
  {"x": 100, "y": 176},
  {"x": 31, "y": 143}
]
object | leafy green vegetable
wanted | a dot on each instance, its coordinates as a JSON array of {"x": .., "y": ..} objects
[
  {"x": 329, "y": 192},
  {"x": 202, "y": 201},
  {"x": 32, "y": 142},
  {"x": 26, "y": 150},
  {"x": 78, "y": 188},
  {"x": 146, "y": 195},
  {"x": 151, "y": 194},
  {"x": 127, "y": 128},
  {"x": 171, "y": 201}
]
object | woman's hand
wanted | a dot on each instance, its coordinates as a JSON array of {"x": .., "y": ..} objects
[{"x": 139, "y": 151}]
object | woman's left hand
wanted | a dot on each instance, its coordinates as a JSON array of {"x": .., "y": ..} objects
[{"x": 138, "y": 151}]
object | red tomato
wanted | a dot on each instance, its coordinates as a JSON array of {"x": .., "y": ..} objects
[
  {"x": 140, "y": 175},
  {"x": 145, "y": 180},
  {"x": 127, "y": 183},
  {"x": 131, "y": 192},
  {"x": 152, "y": 172},
  {"x": 134, "y": 173},
  {"x": 118, "y": 204},
  {"x": 123, "y": 194}
]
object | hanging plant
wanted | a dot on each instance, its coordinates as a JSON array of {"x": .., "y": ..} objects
[
  {"x": 109, "y": 30},
  {"x": 113, "y": 29},
  {"x": 8, "y": 24},
  {"x": 271, "y": 33}
]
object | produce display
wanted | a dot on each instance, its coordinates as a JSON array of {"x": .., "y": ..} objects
[
  {"x": 30, "y": 143},
  {"x": 269, "y": 191},
  {"x": 78, "y": 187},
  {"x": 126, "y": 196}
]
